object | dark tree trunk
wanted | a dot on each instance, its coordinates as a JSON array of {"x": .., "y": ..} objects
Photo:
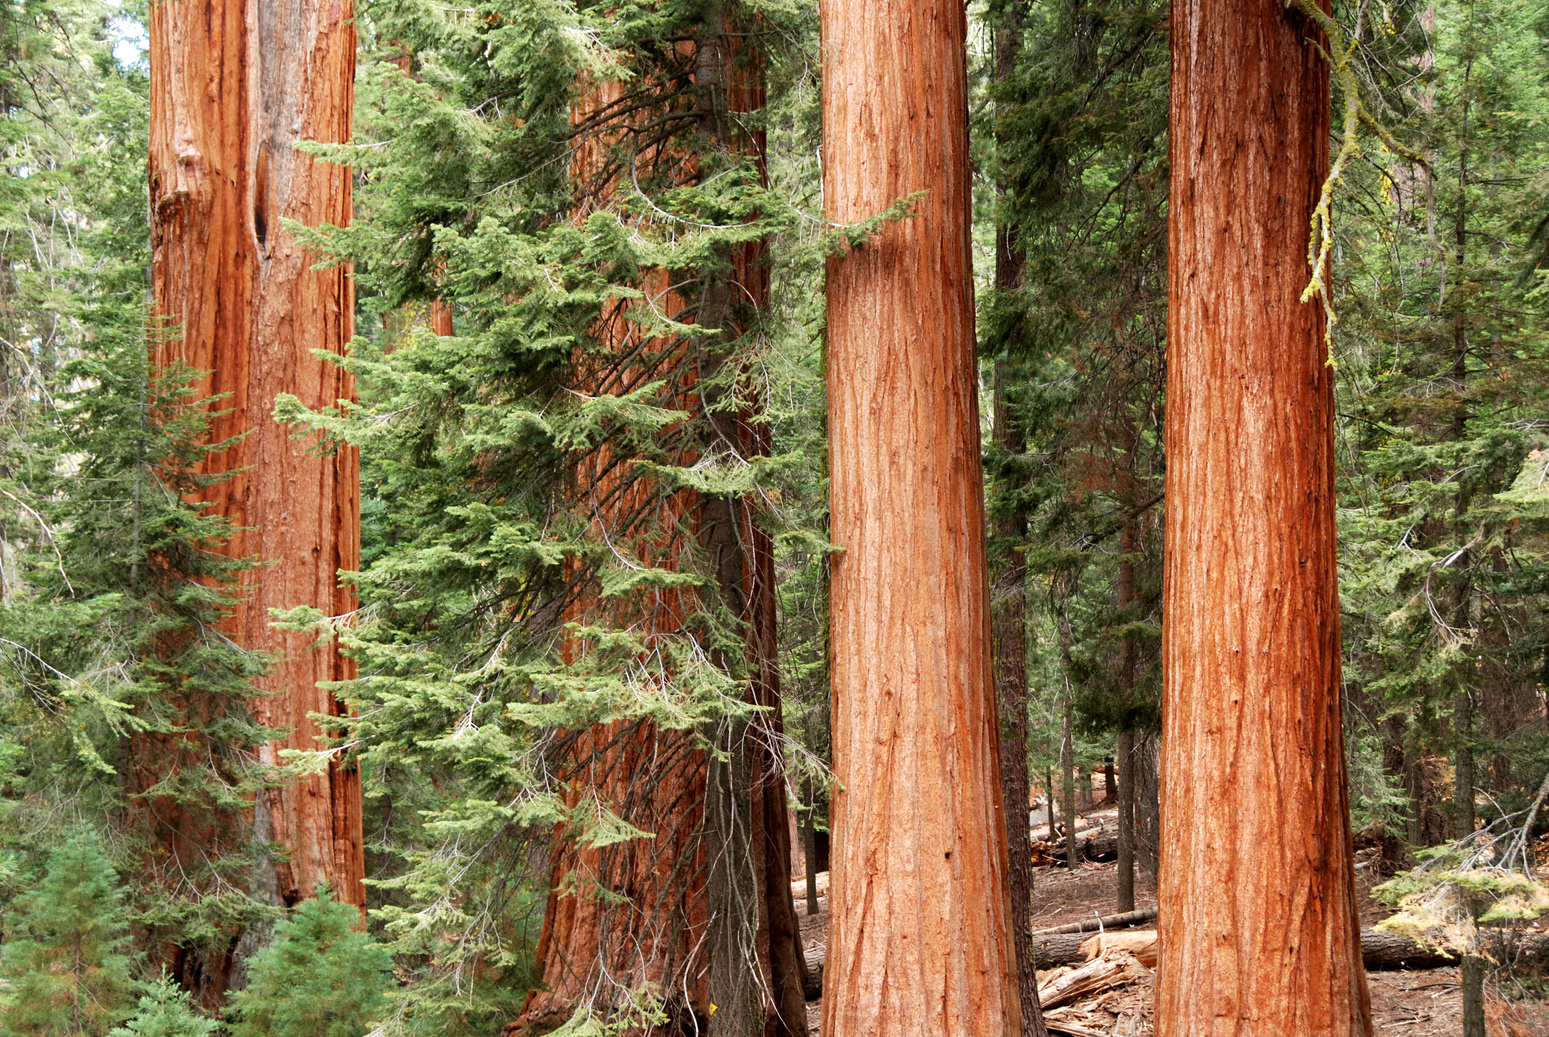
[
  {"x": 1048, "y": 784},
  {"x": 1471, "y": 978},
  {"x": 810, "y": 850},
  {"x": 1125, "y": 750},
  {"x": 1010, "y": 626},
  {"x": 1067, "y": 730},
  {"x": 1010, "y": 613},
  {"x": 1126, "y": 754}
]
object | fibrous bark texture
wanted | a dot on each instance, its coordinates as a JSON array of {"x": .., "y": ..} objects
[
  {"x": 920, "y": 937},
  {"x": 234, "y": 87},
  {"x": 701, "y": 914},
  {"x": 1257, "y": 906}
]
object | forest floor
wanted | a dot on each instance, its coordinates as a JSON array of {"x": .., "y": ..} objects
[{"x": 1404, "y": 1004}]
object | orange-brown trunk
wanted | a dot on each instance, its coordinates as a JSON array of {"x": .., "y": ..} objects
[
  {"x": 671, "y": 933},
  {"x": 234, "y": 86},
  {"x": 1258, "y": 922},
  {"x": 920, "y": 938}
]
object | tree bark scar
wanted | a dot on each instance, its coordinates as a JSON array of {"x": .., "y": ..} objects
[{"x": 261, "y": 198}]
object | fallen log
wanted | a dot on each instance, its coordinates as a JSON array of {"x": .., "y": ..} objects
[
  {"x": 1381, "y": 952},
  {"x": 1088, "y": 979},
  {"x": 1101, "y": 846},
  {"x": 1141, "y": 945},
  {"x": 1385, "y": 952},
  {"x": 812, "y": 989},
  {"x": 1092, "y": 925},
  {"x": 1070, "y": 1029}
]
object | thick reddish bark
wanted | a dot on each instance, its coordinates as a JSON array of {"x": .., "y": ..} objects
[
  {"x": 710, "y": 917},
  {"x": 1257, "y": 906},
  {"x": 920, "y": 935},
  {"x": 234, "y": 87},
  {"x": 594, "y": 945}
]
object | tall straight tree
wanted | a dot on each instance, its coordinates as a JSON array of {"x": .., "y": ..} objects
[
  {"x": 1259, "y": 931},
  {"x": 234, "y": 88},
  {"x": 709, "y": 919},
  {"x": 1009, "y": 611},
  {"x": 920, "y": 937}
]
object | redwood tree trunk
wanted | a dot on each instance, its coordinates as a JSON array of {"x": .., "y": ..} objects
[
  {"x": 234, "y": 86},
  {"x": 710, "y": 921},
  {"x": 920, "y": 935},
  {"x": 1257, "y": 900}
]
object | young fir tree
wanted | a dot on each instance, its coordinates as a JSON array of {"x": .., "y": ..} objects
[
  {"x": 165, "y": 1010},
  {"x": 319, "y": 977},
  {"x": 66, "y": 961}
]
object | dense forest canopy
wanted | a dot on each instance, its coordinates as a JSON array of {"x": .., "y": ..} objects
[{"x": 592, "y": 352}]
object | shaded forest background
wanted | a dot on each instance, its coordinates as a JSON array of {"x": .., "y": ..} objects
[{"x": 561, "y": 373}]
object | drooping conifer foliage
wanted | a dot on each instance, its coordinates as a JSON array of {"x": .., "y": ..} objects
[{"x": 571, "y": 617}]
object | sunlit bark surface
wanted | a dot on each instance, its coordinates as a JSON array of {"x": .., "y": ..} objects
[
  {"x": 920, "y": 937},
  {"x": 1257, "y": 913},
  {"x": 234, "y": 87}
]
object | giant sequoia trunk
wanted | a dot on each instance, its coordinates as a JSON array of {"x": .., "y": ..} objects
[
  {"x": 703, "y": 912},
  {"x": 1257, "y": 902},
  {"x": 920, "y": 935},
  {"x": 234, "y": 87}
]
